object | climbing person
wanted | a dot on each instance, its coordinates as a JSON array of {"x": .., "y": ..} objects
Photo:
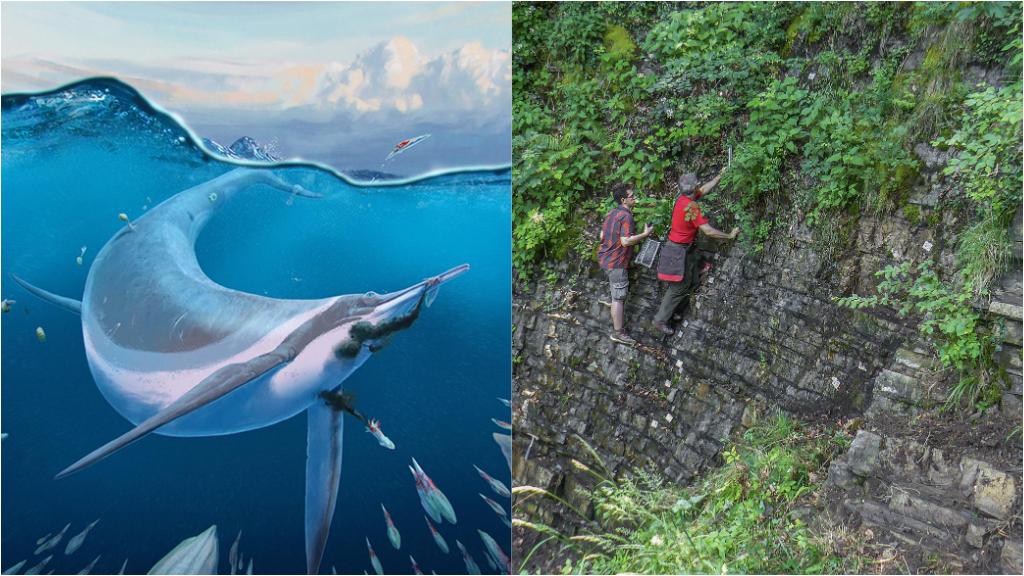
[
  {"x": 677, "y": 264},
  {"x": 615, "y": 253}
]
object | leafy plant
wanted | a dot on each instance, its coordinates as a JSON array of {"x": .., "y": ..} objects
[
  {"x": 738, "y": 519},
  {"x": 947, "y": 318}
]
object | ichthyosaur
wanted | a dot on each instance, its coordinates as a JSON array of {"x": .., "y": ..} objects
[{"x": 178, "y": 354}]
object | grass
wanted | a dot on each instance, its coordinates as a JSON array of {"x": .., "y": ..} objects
[{"x": 741, "y": 518}]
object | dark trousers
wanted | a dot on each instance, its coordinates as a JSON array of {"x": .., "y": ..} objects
[{"x": 676, "y": 292}]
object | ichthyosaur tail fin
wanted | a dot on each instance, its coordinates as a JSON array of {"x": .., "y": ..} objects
[
  {"x": 323, "y": 473},
  {"x": 69, "y": 304}
]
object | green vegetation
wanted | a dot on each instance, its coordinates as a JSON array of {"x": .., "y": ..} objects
[
  {"x": 741, "y": 518},
  {"x": 823, "y": 105}
]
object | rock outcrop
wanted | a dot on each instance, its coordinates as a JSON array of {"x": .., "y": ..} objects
[{"x": 764, "y": 333}]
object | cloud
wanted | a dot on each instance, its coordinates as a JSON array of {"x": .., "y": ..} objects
[
  {"x": 395, "y": 76},
  {"x": 392, "y": 77}
]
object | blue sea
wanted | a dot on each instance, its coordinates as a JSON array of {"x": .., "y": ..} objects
[{"x": 72, "y": 161}]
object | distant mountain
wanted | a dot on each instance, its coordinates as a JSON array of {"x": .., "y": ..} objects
[{"x": 245, "y": 148}]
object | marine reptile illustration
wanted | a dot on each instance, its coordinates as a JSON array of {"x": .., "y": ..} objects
[{"x": 180, "y": 355}]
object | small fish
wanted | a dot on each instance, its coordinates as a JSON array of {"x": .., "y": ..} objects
[
  {"x": 123, "y": 566},
  {"x": 502, "y": 424},
  {"x": 76, "y": 542},
  {"x": 501, "y": 560},
  {"x": 373, "y": 558},
  {"x": 497, "y": 485},
  {"x": 14, "y": 569},
  {"x": 233, "y": 554},
  {"x": 471, "y": 567},
  {"x": 249, "y": 569},
  {"x": 40, "y": 334},
  {"x": 39, "y": 567},
  {"x": 438, "y": 539},
  {"x": 5, "y": 305},
  {"x": 53, "y": 541},
  {"x": 79, "y": 260},
  {"x": 393, "y": 535},
  {"x": 374, "y": 428},
  {"x": 91, "y": 565},
  {"x": 505, "y": 402},
  {"x": 415, "y": 566}
]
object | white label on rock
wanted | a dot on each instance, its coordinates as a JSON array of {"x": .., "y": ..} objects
[
  {"x": 835, "y": 383},
  {"x": 668, "y": 417},
  {"x": 927, "y": 246},
  {"x": 654, "y": 423}
]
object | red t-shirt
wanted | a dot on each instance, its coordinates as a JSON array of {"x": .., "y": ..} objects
[{"x": 686, "y": 219}]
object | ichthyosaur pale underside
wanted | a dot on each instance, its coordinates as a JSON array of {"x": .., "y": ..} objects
[{"x": 180, "y": 355}]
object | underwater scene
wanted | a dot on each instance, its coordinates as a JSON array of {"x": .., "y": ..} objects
[{"x": 402, "y": 386}]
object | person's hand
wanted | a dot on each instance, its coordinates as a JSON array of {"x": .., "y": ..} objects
[
  {"x": 647, "y": 229},
  {"x": 735, "y": 232}
]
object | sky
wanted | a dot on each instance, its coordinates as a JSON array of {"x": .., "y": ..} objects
[{"x": 338, "y": 83}]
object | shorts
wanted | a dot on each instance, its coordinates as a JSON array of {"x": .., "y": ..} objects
[{"x": 618, "y": 278}]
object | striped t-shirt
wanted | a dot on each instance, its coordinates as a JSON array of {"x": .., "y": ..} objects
[{"x": 612, "y": 254}]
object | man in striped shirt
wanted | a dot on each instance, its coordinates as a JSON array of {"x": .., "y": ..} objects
[{"x": 617, "y": 241}]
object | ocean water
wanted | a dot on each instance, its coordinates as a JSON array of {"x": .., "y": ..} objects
[{"x": 73, "y": 160}]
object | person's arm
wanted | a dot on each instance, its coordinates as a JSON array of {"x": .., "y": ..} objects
[
  {"x": 632, "y": 240},
  {"x": 710, "y": 184},
  {"x": 712, "y": 232}
]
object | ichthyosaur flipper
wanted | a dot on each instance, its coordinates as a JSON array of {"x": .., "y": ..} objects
[
  {"x": 69, "y": 304},
  {"x": 214, "y": 387},
  {"x": 323, "y": 473}
]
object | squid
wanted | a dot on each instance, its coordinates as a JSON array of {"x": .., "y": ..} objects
[
  {"x": 497, "y": 509},
  {"x": 497, "y": 485},
  {"x": 52, "y": 542},
  {"x": 373, "y": 558},
  {"x": 88, "y": 569},
  {"x": 393, "y": 535},
  {"x": 502, "y": 424},
  {"x": 75, "y": 543},
  {"x": 434, "y": 501},
  {"x": 415, "y": 566},
  {"x": 471, "y": 567},
  {"x": 498, "y": 556},
  {"x": 438, "y": 539},
  {"x": 373, "y": 427}
]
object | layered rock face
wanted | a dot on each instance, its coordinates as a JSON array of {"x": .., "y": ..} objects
[{"x": 764, "y": 333}]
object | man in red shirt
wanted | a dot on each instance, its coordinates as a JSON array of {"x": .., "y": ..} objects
[
  {"x": 615, "y": 253},
  {"x": 677, "y": 264}
]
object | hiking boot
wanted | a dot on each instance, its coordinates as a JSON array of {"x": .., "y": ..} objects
[
  {"x": 662, "y": 327},
  {"x": 622, "y": 338}
]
